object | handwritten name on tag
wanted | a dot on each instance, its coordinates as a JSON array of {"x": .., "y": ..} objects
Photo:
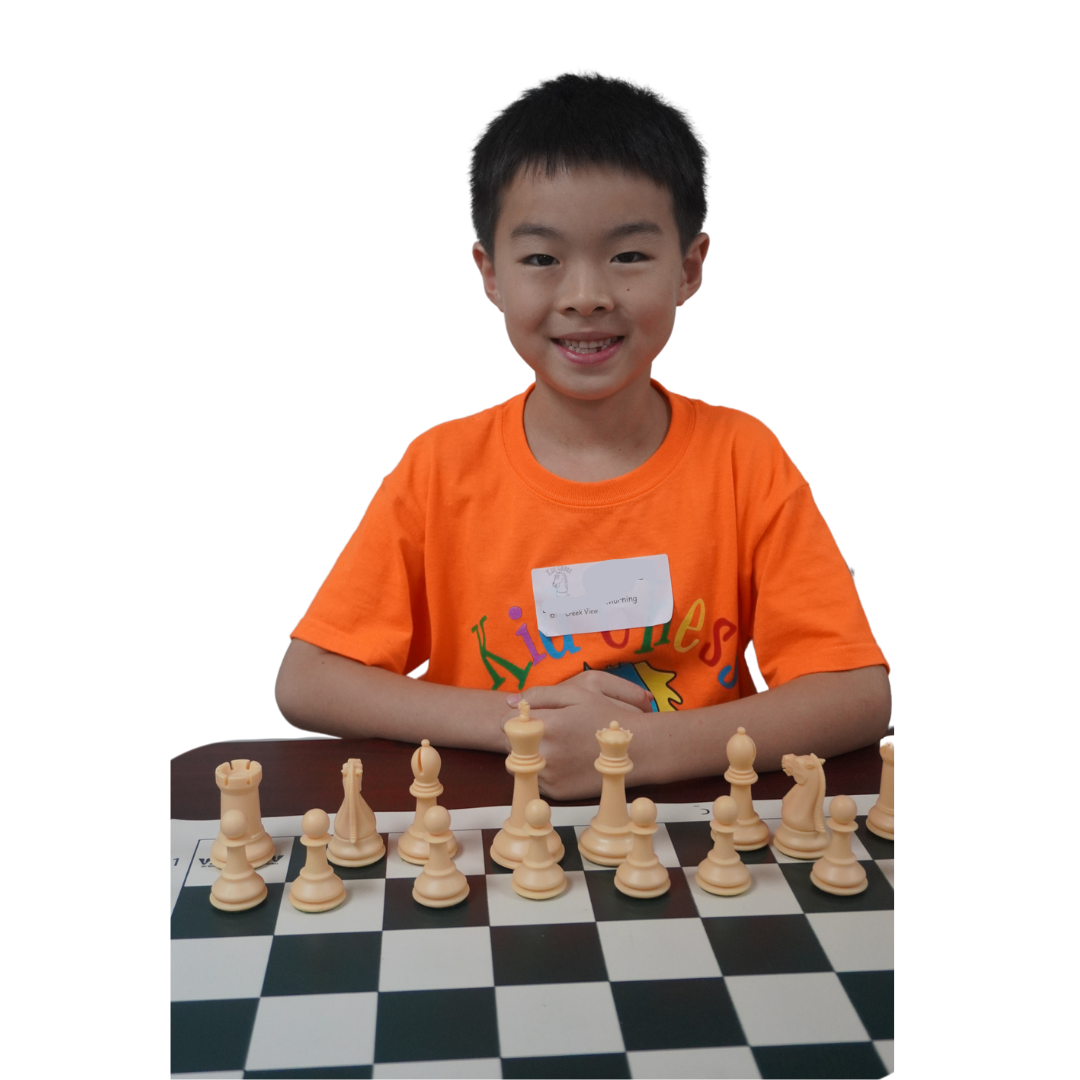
[{"x": 617, "y": 594}]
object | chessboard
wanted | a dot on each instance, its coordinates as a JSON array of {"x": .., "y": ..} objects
[{"x": 782, "y": 981}]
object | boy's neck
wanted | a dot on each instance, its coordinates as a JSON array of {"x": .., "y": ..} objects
[{"x": 588, "y": 441}]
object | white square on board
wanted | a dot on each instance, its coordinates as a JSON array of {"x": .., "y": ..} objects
[
  {"x": 886, "y": 867},
  {"x": 211, "y": 969},
  {"x": 785, "y": 1010},
  {"x": 697, "y": 1063},
  {"x": 582, "y": 1013},
  {"x": 657, "y": 949},
  {"x": 362, "y": 909},
  {"x": 229, "y": 1074},
  {"x": 506, "y": 908},
  {"x": 452, "y": 958},
  {"x": 884, "y": 1047},
  {"x": 313, "y": 1031},
  {"x": 855, "y": 940},
  {"x": 769, "y": 894}
]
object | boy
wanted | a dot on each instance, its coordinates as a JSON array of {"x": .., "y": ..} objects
[{"x": 588, "y": 201}]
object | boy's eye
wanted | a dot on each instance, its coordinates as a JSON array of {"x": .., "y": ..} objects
[{"x": 623, "y": 257}]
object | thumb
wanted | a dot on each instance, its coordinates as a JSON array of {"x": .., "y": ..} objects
[{"x": 545, "y": 697}]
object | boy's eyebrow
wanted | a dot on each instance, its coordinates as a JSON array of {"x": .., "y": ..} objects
[{"x": 620, "y": 232}]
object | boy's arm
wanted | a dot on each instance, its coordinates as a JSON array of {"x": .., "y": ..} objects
[
  {"x": 321, "y": 691},
  {"x": 825, "y": 713}
]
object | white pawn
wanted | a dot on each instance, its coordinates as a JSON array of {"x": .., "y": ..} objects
[
  {"x": 238, "y": 887},
  {"x": 641, "y": 874},
  {"x": 539, "y": 875},
  {"x": 722, "y": 872},
  {"x": 441, "y": 883},
  {"x": 838, "y": 871},
  {"x": 317, "y": 888}
]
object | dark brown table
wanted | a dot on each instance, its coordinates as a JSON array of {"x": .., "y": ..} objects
[{"x": 299, "y": 774}]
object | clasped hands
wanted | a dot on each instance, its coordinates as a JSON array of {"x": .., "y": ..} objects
[{"x": 573, "y": 711}]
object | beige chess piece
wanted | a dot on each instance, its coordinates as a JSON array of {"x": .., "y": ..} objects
[
  {"x": 838, "y": 871},
  {"x": 317, "y": 888},
  {"x": 608, "y": 839},
  {"x": 751, "y": 832},
  {"x": 524, "y": 762},
  {"x": 426, "y": 763},
  {"x": 440, "y": 884},
  {"x": 539, "y": 876},
  {"x": 239, "y": 783},
  {"x": 641, "y": 874},
  {"x": 238, "y": 887},
  {"x": 722, "y": 871},
  {"x": 880, "y": 819},
  {"x": 802, "y": 834},
  {"x": 356, "y": 840}
]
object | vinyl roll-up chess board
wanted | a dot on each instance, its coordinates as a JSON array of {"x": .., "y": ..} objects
[{"x": 782, "y": 981}]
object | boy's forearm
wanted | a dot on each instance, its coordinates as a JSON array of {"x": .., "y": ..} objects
[
  {"x": 321, "y": 691},
  {"x": 826, "y": 713}
]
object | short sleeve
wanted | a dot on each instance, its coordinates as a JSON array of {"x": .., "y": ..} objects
[
  {"x": 372, "y": 607},
  {"x": 807, "y": 615}
]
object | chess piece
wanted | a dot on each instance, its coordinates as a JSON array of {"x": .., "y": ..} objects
[
  {"x": 317, "y": 888},
  {"x": 524, "y": 762},
  {"x": 641, "y": 874},
  {"x": 539, "y": 876},
  {"x": 722, "y": 871},
  {"x": 880, "y": 819},
  {"x": 802, "y": 834},
  {"x": 238, "y": 887},
  {"x": 426, "y": 763},
  {"x": 838, "y": 871},
  {"x": 441, "y": 883},
  {"x": 608, "y": 839},
  {"x": 356, "y": 840},
  {"x": 239, "y": 783},
  {"x": 751, "y": 832}
]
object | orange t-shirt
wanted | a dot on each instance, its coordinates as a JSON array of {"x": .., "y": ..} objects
[{"x": 439, "y": 567}]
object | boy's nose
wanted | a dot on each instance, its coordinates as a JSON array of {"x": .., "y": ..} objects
[{"x": 585, "y": 293}]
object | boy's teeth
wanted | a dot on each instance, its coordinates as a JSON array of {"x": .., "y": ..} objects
[{"x": 587, "y": 346}]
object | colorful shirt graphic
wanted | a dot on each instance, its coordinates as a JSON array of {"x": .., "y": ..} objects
[{"x": 440, "y": 567}]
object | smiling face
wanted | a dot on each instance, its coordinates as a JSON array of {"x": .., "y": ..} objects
[{"x": 588, "y": 273}]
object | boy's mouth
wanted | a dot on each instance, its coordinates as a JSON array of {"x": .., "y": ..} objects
[{"x": 586, "y": 346}]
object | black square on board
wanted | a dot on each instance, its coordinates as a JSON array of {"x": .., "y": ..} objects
[
  {"x": 871, "y": 993},
  {"x": 323, "y": 964},
  {"x": 195, "y": 917},
  {"x": 664, "y": 1014},
  {"x": 876, "y": 846},
  {"x": 211, "y": 1035},
  {"x": 693, "y": 841},
  {"x": 830, "y": 1060},
  {"x": 572, "y": 1067},
  {"x": 430, "y": 1025},
  {"x": 609, "y": 903},
  {"x": 402, "y": 912},
  {"x": 765, "y": 944},
  {"x": 556, "y": 953},
  {"x": 877, "y": 896}
]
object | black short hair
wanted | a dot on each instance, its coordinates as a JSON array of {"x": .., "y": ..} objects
[{"x": 581, "y": 120}]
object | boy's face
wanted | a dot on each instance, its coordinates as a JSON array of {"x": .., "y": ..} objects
[{"x": 588, "y": 273}]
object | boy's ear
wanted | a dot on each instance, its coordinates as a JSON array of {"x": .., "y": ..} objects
[
  {"x": 691, "y": 267},
  {"x": 487, "y": 272}
]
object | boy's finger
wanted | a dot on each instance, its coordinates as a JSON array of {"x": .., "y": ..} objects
[
  {"x": 625, "y": 691},
  {"x": 546, "y": 697}
]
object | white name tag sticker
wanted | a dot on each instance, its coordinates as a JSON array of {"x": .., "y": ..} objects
[{"x": 617, "y": 594}]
